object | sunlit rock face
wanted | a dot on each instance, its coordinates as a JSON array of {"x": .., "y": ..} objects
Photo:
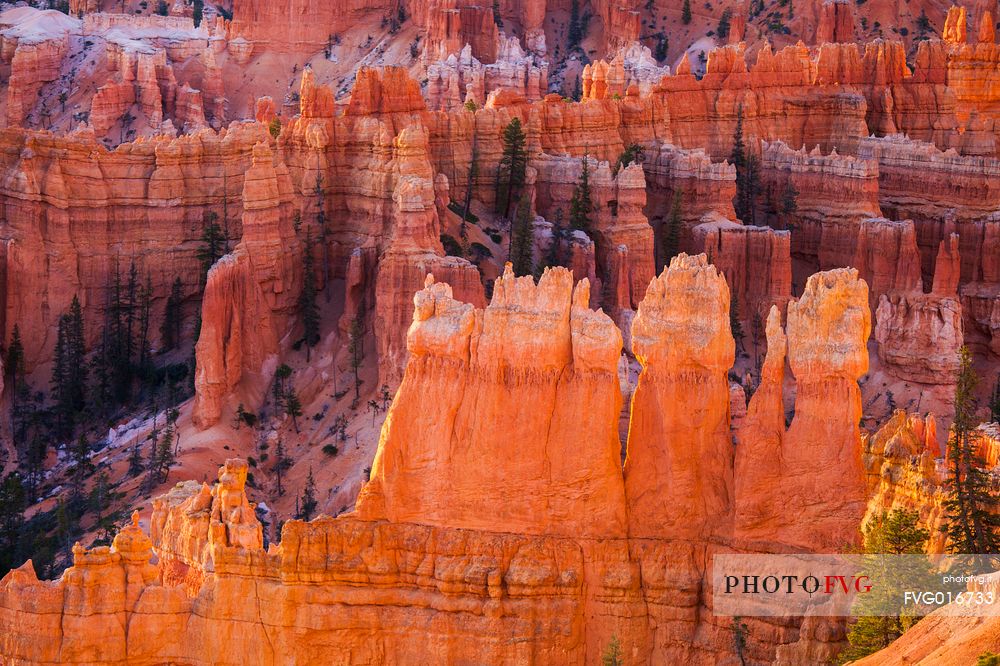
[
  {"x": 538, "y": 368},
  {"x": 498, "y": 494},
  {"x": 825, "y": 345},
  {"x": 518, "y": 510},
  {"x": 678, "y": 432}
]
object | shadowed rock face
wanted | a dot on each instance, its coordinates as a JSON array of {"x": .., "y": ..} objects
[{"x": 498, "y": 495}]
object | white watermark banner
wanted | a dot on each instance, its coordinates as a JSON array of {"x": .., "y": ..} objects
[{"x": 751, "y": 585}]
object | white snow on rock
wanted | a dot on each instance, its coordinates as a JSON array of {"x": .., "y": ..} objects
[{"x": 30, "y": 25}]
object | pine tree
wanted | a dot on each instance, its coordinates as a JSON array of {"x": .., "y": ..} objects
[
  {"x": 115, "y": 363},
  {"x": 581, "y": 204},
  {"x": 135, "y": 465},
  {"x": 747, "y": 174},
  {"x": 740, "y": 639},
  {"x": 756, "y": 335},
  {"x": 37, "y": 451},
  {"x": 13, "y": 502},
  {"x": 662, "y": 45},
  {"x": 281, "y": 463},
  {"x": 734, "y": 321},
  {"x": 321, "y": 225},
  {"x": 144, "y": 360},
  {"x": 307, "y": 299},
  {"x": 790, "y": 199},
  {"x": 923, "y": 25},
  {"x": 308, "y": 505},
  {"x": 239, "y": 417},
  {"x": 130, "y": 307},
  {"x": 293, "y": 407},
  {"x": 612, "y": 655},
  {"x": 63, "y": 409},
  {"x": 170, "y": 330},
  {"x": 895, "y": 534},
  {"x": 213, "y": 245},
  {"x": 670, "y": 231},
  {"x": 278, "y": 386},
  {"x": 78, "y": 354},
  {"x": 522, "y": 240},
  {"x": 632, "y": 153},
  {"x": 81, "y": 468},
  {"x": 67, "y": 526},
  {"x": 165, "y": 452},
  {"x": 553, "y": 256},
  {"x": 724, "y": 23},
  {"x": 69, "y": 371},
  {"x": 575, "y": 30},
  {"x": 686, "y": 12},
  {"x": 972, "y": 523},
  {"x": 14, "y": 366},
  {"x": 102, "y": 501},
  {"x": 513, "y": 167},
  {"x": 472, "y": 176},
  {"x": 199, "y": 8}
]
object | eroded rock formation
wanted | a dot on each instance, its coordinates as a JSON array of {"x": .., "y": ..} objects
[
  {"x": 448, "y": 543},
  {"x": 537, "y": 358},
  {"x": 832, "y": 314},
  {"x": 905, "y": 471}
]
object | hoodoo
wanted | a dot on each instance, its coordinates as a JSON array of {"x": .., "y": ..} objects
[{"x": 492, "y": 332}]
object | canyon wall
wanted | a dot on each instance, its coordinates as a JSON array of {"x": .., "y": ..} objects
[
  {"x": 823, "y": 197},
  {"x": 300, "y": 25},
  {"x": 756, "y": 261},
  {"x": 76, "y": 212},
  {"x": 250, "y": 294}
]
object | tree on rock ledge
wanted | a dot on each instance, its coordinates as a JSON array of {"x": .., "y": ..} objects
[
  {"x": 308, "y": 505},
  {"x": 972, "y": 523},
  {"x": 612, "y": 655},
  {"x": 581, "y": 204},
  {"x": 747, "y": 174},
  {"x": 894, "y": 534},
  {"x": 670, "y": 231},
  {"x": 513, "y": 167},
  {"x": 307, "y": 299},
  {"x": 213, "y": 245},
  {"x": 522, "y": 240}
]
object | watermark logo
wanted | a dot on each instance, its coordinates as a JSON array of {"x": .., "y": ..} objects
[{"x": 852, "y": 585}]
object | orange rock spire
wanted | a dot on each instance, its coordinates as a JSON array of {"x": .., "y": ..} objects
[{"x": 532, "y": 374}]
